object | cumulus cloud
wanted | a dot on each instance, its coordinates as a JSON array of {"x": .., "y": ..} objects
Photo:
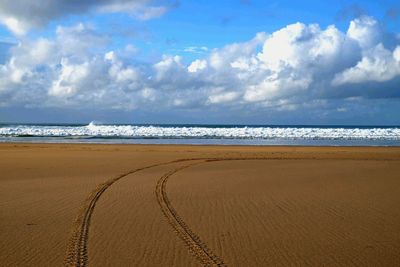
[
  {"x": 197, "y": 65},
  {"x": 302, "y": 63},
  {"x": 69, "y": 79},
  {"x": 298, "y": 66},
  {"x": 366, "y": 31},
  {"x": 22, "y": 15},
  {"x": 379, "y": 65}
]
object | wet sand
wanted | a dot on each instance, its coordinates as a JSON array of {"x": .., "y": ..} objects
[{"x": 160, "y": 205}]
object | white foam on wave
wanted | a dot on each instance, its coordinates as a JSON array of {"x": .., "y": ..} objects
[{"x": 131, "y": 131}]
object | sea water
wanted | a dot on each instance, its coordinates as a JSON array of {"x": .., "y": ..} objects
[{"x": 203, "y": 134}]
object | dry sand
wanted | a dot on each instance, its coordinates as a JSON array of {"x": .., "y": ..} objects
[{"x": 152, "y": 205}]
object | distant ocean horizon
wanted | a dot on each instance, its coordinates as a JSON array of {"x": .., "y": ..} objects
[{"x": 202, "y": 134}]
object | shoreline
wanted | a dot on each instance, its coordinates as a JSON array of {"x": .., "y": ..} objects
[
  {"x": 17, "y": 143},
  {"x": 189, "y": 145},
  {"x": 210, "y": 142}
]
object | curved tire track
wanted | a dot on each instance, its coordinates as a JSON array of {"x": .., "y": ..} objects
[
  {"x": 77, "y": 252},
  {"x": 192, "y": 241}
]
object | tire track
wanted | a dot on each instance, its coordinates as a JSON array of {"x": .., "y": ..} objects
[
  {"x": 77, "y": 253},
  {"x": 192, "y": 241}
]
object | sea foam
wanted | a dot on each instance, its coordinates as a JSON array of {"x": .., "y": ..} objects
[{"x": 207, "y": 132}]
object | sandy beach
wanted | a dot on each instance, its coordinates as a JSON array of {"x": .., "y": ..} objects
[{"x": 175, "y": 205}]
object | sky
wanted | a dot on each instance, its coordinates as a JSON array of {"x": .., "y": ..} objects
[{"x": 201, "y": 62}]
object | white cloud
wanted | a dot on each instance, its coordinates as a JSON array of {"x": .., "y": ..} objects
[
  {"x": 224, "y": 97},
  {"x": 197, "y": 65},
  {"x": 366, "y": 31},
  {"x": 300, "y": 46},
  {"x": 378, "y": 64},
  {"x": 149, "y": 93},
  {"x": 294, "y": 67},
  {"x": 80, "y": 40},
  {"x": 16, "y": 26},
  {"x": 120, "y": 73},
  {"x": 69, "y": 79},
  {"x": 13, "y": 74},
  {"x": 169, "y": 68},
  {"x": 274, "y": 87},
  {"x": 196, "y": 49}
]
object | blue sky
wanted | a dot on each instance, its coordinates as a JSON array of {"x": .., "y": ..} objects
[{"x": 248, "y": 62}]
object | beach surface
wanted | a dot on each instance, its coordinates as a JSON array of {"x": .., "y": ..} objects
[{"x": 176, "y": 205}]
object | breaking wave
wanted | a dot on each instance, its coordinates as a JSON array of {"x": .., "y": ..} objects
[{"x": 93, "y": 130}]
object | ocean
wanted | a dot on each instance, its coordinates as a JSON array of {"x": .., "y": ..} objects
[{"x": 203, "y": 134}]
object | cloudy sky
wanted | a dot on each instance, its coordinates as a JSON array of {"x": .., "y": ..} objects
[{"x": 233, "y": 61}]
